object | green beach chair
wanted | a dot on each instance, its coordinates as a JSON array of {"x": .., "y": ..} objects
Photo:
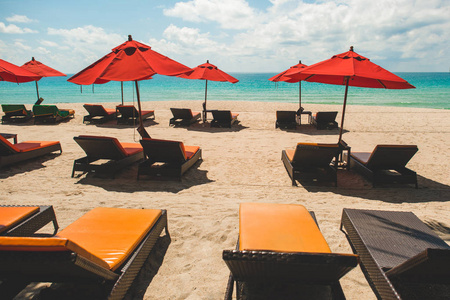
[
  {"x": 15, "y": 113},
  {"x": 51, "y": 113}
]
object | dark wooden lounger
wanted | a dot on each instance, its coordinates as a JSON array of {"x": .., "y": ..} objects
[
  {"x": 184, "y": 116},
  {"x": 119, "y": 155},
  {"x": 286, "y": 119},
  {"x": 325, "y": 120},
  {"x": 98, "y": 114},
  {"x": 128, "y": 114},
  {"x": 174, "y": 156},
  {"x": 400, "y": 256},
  {"x": 26, "y": 225},
  {"x": 223, "y": 118}
]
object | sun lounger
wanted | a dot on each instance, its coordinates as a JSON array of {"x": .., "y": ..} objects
[
  {"x": 184, "y": 116},
  {"x": 223, "y": 118},
  {"x": 99, "y": 148},
  {"x": 386, "y": 164},
  {"x": 51, "y": 113},
  {"x": 311, "y": 161},
  {"x": 286, "y": 119},
  {"x": 281, "y": 244},
  {"x": 400, "y": 256},
  {"x": 15, "y": 113},
  {"x": 13, "y": 153},
  {"x": 128, "y": 114},
  {"x": 98, "y": 114},
  {"x": 106, "y": 248},
  {"x": 167, "y": 159},
  {"x": 25, "y": 220},
  {"x": 325, "y": 120}
]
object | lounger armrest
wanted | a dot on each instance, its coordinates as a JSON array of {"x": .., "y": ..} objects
[
  {"x": 431, "y": 265},
  {"x": 278, "y": 266}
]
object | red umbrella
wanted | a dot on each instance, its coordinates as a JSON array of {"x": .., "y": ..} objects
[
  {"x": 42, "y": 70},
  {"x": 350, "y": 69},
  {"x": 130, "y": 61},
  {"x": 283, "y": 77},
  {"x": 12, "y": 73},
  {"x": 207, "y": 72}
]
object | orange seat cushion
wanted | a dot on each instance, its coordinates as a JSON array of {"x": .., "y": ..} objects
[
  {"x": 111, "y": 233},
  {"x": 33, "y": 145},
  {"x": 189, "y": 151},
  {"x": 11, "y": 215},
  {"x": 110, "y": 111},
  {"x": 290, "y": 154},
  {"x": 144, "y": 112},
  {"x": 279, "y": 228},
  {"x": 131, "y": 148}
]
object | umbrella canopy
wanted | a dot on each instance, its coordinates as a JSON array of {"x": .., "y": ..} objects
[
  {"x": 282, "y": 77},
  {"x": 42, "y": 70},
  {"x": 12, "y": 73},
  {"x": 349, "y": 69},
  {"x": 207, "y": 72},
  {"x": 130, "y": 61}
]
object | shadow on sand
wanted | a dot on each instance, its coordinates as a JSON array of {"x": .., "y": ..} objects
[{"x": 27, "y": 166}]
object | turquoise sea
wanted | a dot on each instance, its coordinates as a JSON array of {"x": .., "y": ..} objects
[{"x": 432, "y": 91}]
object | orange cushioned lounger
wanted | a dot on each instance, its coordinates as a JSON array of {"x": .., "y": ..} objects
[
  {"x": 13, "y": 153},
  {"x": 12, "y": 215},
  {"x": 25, "y": 220},
  {"x": 105, "y": 239},
  {"x": 282, "y": 244}
]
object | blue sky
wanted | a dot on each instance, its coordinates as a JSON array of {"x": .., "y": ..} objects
[{"x": 235, "y": 35}]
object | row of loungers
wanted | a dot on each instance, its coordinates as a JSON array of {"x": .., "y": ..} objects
[
  {"x": 399, "y": 255},
  {"x": 292, "y": 119},
  {"x": 163, "y": 159},
  {"x": 41, "y": 113}
]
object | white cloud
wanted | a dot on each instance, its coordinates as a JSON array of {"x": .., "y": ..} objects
[
  {"x": 230, "y": 14},
  {"x": 14, "y": 29},
  {"x": 19, "y": 19}
]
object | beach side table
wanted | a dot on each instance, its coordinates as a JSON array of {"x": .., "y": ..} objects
[
  {"x": 299, "y": 117},
  {"x": 10, "y": 136},
  {"x": 342, "y": 160}
]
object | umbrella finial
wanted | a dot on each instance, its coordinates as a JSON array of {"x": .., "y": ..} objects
[
  {"x": 33, "y": 58},
  {"x": 130, "y": 38},
  {"x": 351, "y": 48},
  {"x": 299, "y": 61},
  {"x": 207, "y": 61}
]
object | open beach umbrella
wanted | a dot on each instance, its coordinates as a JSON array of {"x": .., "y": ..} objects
[
  {"x": 207, "y": 72},
  {"x": 349, "y": 69},
  {"x": 130, "y": 61},
  {"x": 42, "y": 70},
  {"x": 282, "y": 77},
  {"x": 12, "y": 73}
]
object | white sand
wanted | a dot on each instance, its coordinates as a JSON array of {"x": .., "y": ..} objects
[{"x": 239, "y": 165}]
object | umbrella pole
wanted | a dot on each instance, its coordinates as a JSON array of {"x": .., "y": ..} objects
[
  {"x": 343, "y": 110},
  {"x": 141, "y": 128},
  {"x": 300, "y": 94},
  {"x": 121, "y": 87},
  {"x": 37, "y": 90},
  {"x": 204, "y": 104}
]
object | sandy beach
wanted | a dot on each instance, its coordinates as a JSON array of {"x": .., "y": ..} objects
[{"x": 241, "y": 164}]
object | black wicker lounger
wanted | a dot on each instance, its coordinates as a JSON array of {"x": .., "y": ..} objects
[
  {"x": 286, "y": 119},
  {"x": 97, "y": 148},
  {"x": 401, "y": 257},
  {"x": 287, "y": 269},
  {"x": 98, "y": 257},
  {"x": 184, "y": 116},
  {"x": 128, "y": 114},
  {"x": 27, "y": 221},
  {"x": 223, "y": 118},
  {"x": 98, "y": 114},
  {"x": 325, "y": 120}
]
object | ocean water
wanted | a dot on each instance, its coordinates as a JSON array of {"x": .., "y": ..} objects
[{"x": 432, "y": 91}]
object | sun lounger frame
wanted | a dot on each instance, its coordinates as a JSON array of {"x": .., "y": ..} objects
[
  {"x": 286, "y": 119},
  {"x": 223, "y": 118},
  {"x": 276, "y": 267},
  {"x": 412, "y": 238},
  {"x": 381, "y": 175},
  {"x": 321, "y": 173},
  {"x": 20, "y": 114},
  {"x": 53, "y": 117},
  {"x": 170, "y": 154},
  {"x": 183, "y": 117},
  {"x": 16, "y": 157},
  {"x": 33, "y": 223},
  {"x": 117, "y": 159},
  {"x": 325, "y": 120},
  {"x": 97, "y": 114},
  {"x": 21, "y": 268},
  {"x": 128, "y": 114}
]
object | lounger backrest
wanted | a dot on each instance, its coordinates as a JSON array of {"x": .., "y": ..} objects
[
  {"x": 222, "y": 115},
  {"x": 41, "y": 110},
  {"x": 326, "y": 116},
  {"x": 316, "y": 155},
  {"x": 101, "y": 147},
  {"x": 95, "y": 110},
  {"x": 14, "y": 108},
  {"x": 127, "y": 111},
  {"x": 182, "y": 113},
  {"x": 6, "y": 148},
  {"x": 164, "y": 151},
  {"x": 285, "y": 115},
  {"x": 391, "y": 156}
]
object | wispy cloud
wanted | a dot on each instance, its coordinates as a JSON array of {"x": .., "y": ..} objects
[
  {"x": 14, "y": 29},
  {"x": 19, "y": 19}
]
